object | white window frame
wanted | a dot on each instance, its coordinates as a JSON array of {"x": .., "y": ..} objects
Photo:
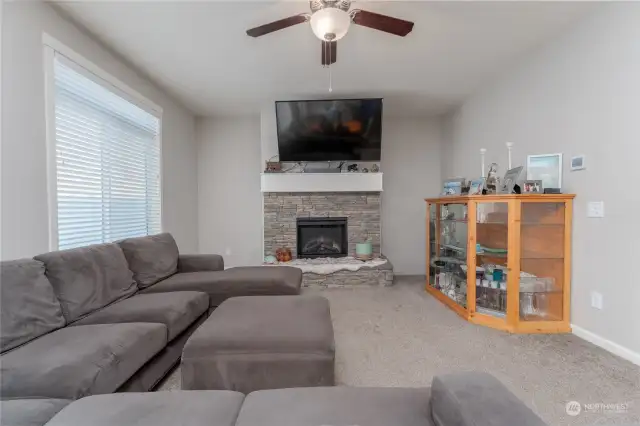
[{"x": 90, "y": 70}]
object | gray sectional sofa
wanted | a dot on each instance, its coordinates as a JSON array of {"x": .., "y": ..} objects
[
  {"x": 111, "y": 317},
  {"x": 81, "y": 326},
  {"x": 462, "y": 399}
]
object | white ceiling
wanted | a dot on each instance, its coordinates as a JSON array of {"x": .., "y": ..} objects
[{"x": 199, "y": 52}]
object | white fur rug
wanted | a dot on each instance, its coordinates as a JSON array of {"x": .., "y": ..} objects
[{"x": 329, "y": 265}]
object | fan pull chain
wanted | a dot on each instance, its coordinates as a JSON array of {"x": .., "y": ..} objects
[
  {"x": 330, "y": 82},
  {"x": 330, "y": 73}
]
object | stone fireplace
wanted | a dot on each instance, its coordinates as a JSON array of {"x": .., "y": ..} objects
[
  {"x": 321, "y": 217},
  {"x": 359, "y": 212}
]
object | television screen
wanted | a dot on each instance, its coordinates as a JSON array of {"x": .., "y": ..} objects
[{"x": 329, "y": 130}]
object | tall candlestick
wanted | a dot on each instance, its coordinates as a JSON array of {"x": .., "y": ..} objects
[
  {"x": 483, "y": 151},
  {"x": 509, "y": 146}
]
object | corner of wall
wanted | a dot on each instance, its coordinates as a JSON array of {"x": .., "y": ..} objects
[{"x": 447, "y": 143}]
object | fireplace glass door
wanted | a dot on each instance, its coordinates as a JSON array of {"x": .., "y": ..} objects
[{"x": 322, "y": 237}]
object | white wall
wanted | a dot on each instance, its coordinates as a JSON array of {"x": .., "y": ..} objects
[
  {"x": 1, "y": 57},
  {"x": 411, "y": 151},
  {"x": 24, "y": 180},
  {"x": 578, "y": 95},
  {"x": 268, "y": 133},
  {"x": 230, "y": 201}
]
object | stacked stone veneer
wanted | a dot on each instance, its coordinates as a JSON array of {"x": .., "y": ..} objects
[
  {"x": 380, "y": 276},
  {"x": 362, "y": 209}
]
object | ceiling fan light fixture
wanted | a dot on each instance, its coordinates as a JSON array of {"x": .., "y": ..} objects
[{"x": 330, "y": 24}]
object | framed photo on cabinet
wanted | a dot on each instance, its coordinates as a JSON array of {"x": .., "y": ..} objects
[{"x": 547, "y": 168}]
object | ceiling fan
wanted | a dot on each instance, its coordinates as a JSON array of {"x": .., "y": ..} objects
[{"x": 330, "y": 21}]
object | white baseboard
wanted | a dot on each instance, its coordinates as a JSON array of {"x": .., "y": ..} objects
[{"x": 607, "y": 345}]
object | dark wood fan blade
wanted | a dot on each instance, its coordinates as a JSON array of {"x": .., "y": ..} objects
[
  {"x": 277, "y": 25},
  {"x": 385, "y": 23},
  {"x": 329, "y": 52}
]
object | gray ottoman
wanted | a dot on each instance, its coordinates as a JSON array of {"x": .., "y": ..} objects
[{"x": 262, "y": 342}]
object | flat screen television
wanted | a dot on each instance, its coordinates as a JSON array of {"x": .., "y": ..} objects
[{"x": 329, "y": 130}]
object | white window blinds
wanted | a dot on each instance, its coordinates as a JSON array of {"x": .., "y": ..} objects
[{"x": 107, "y": 160}]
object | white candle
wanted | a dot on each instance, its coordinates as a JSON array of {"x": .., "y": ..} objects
[
  {"x": 509, "y": 145},
  {"x": 483, "y": 151}
]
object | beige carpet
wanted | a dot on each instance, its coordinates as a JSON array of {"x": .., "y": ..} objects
[{"x": 400, "y": 336}]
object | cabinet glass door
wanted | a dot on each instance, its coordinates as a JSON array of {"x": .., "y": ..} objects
[
  {"x": 542, "y": 234},
  {"x": 492, "y": 238},
  {"x": 432, "y": 244},
  {"x": 449, "y": 252}
]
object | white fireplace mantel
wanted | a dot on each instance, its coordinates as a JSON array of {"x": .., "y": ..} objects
[{"x": 321, "y": 182}]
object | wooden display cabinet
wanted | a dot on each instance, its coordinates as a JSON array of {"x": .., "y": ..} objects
[{"x": 503, "y": 261}]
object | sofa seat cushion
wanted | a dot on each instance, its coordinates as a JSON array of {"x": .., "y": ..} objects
[
  {"x": 232, "y": 282},
  {"x": 151, "y": 258},
  {"x": 176, "y": 310},
  {"x": 337, "y": 406},
  {"x": 88, "y": 278},
  {"x": 78, "y": 361},
  {"x": 29, "y": 305},
  {"x": 184, "y": 408},
  {"x": 29, "y": 411}
]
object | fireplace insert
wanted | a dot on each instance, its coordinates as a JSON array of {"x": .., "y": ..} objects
[{"x": 322, "y": 237}]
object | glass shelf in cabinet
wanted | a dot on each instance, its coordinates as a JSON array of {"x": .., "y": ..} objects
[
  {"x": 455, "y": 220},
  {"x": 452, "y": 247},
  {"x": 559, "y": 257},
  {"x": 448, "y": 264},
  {"x": 539, "y": 318},
  {"x": 496, "y": 255},
  {"x": 491, "y": 312},
  {"x": 538, "y": 285}
]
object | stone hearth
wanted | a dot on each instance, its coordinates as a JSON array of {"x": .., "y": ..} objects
[
  {"x": 343, "y": 272},
  {"x": 362, "y": 277}
]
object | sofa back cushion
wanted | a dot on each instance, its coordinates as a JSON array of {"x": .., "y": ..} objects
[
  {"x": 29, "y": 305},
  {"x": 88, "y": 278},
  {"x": 151, "y": 258}
]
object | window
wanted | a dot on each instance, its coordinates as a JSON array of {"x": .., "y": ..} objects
[{"x": 106, "y": 158}]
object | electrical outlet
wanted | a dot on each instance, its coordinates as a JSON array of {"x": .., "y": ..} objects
[
  {"x": 596, "y": 300},
  {"x": 227, "y": 251},
  {"x": 595, "y": 209}
]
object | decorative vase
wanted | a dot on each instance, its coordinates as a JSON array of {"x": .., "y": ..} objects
[{"x": 364, "y": 251}]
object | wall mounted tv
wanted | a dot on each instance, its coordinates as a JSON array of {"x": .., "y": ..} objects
[{"x": 329, "y": 130}]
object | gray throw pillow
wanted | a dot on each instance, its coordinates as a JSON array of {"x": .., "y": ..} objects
[
  {"x": 151, "y": 258},
  {"x": 29, "y": 306},
  {"x": 88, "y": 278}
]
